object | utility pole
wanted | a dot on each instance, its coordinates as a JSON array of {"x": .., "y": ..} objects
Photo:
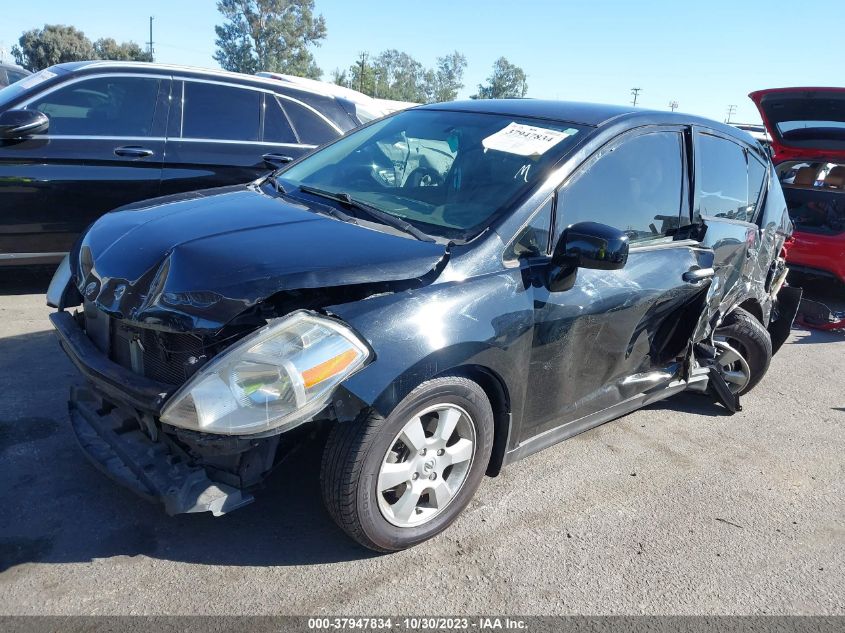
[
  {"x": 363, "y": 65},
  {"x": 731, "y": 112},
  {"x": 152, "y": 50},
  {"x": 673, "y": 105},
  {"x": 636, "y": 92}
]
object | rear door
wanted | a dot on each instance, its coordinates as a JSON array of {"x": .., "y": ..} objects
[
  {"x": 104, "y": 149},
  {"x": 616, "y": 334},
  {"x": 729, "y": 183},
  {"x": 225, "y": 134}
]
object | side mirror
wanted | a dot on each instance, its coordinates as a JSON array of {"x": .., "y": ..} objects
[
  {"x": 586, "y": 245},
  {"x": 22, "y": 123}
]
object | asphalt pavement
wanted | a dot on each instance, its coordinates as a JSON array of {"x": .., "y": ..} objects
[{"x": 675, "y": 509}]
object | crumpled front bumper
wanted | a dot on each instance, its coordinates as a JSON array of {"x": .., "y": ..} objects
[
  {"x": 113, "y": 420},
  {"x": 115, "y": 443}
]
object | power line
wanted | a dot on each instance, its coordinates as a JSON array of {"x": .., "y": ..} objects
[{"x": 636, "y": 92}]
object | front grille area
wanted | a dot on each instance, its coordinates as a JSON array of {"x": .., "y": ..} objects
[{"x": 162, "y": 356}]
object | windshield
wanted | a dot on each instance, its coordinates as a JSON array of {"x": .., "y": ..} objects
[{"x": 448, "y": 173}]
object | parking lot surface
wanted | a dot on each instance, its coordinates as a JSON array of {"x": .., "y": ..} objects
[{"x": 675, "y": 509}]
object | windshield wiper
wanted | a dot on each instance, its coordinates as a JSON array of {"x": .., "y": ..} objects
[{"x": 371, "y": 211}]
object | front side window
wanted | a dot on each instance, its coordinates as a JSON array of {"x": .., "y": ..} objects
[
  {"x": 102, "y": 106},
  {"x": 533, "y": 238},
  {"x": 634, "y": 186},
  {"x": 213, "y": 111},
  {"x": 721, "y": 178},
  {"x": 448, "y": 173}
]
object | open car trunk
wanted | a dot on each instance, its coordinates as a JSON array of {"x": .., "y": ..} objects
[{"x": 804, "y": 123}]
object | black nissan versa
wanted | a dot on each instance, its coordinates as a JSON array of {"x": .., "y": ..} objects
[
  {"x": 79, "y": 139},
  {"x": 448, "y": 289}
]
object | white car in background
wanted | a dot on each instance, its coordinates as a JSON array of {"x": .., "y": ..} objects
[{"x": 366, "y": 108}]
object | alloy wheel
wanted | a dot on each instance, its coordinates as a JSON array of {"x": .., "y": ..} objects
[
  {"x": 426, "y": 465},
  {"x": 735, "y": 369}
]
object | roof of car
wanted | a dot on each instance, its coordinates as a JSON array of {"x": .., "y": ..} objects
[
  {"x": 592, "y": 114},
  {"x": 574, "y": 112},
  {"x": 187, "y": 70}
]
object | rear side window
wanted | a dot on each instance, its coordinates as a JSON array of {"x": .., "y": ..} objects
[
  {"x": 102, "y": 106},
  {"x": 756, "y": 181},
  {"x": 276, "y": 126},
  {"x": 212, "y": 111},
  {"x": 15, "y": 75},
  {"x": 634, "y": 186},
  {"x": 722, "y": 179},
  {"x": 312, "y": 129}
]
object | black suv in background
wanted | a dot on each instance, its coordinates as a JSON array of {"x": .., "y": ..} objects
[{"x": 80, "y": 139}]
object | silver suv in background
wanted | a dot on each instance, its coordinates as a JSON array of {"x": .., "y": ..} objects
[{"x": 9, "y": 74}]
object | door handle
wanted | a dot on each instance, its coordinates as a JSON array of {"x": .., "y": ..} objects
[
  {"x": 274, "y": 160},
  {"x": 695, "y": 275},
  {"x": 133, "y": 151}
]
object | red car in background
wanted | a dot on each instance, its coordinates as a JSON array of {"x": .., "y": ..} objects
[{"x": 807, "y": 128}]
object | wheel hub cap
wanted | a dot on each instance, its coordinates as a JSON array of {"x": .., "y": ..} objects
[{"x": 426, "y": 465}]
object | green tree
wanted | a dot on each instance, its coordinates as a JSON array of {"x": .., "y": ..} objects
[
  {"x": 447, "y": 79},
  {"x": 107, "y": 48},
  {"x": 271, "y": 35},
  {"x": 396, "y": 75},
  {"x": 508, "y": 81},
  {"x": 54, "y": 44},
  {"x": 399, "y": 76}
]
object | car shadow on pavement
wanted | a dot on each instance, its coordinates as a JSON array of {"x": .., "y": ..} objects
[
  {"x": 58, "y": 508},
  {"x": 697, "y": 403},
  {"x": 25, "y": 280}
]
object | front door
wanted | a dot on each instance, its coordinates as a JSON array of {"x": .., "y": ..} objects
[
  {"x": 103, "y": 149},
  {"x": 617, "y": 334}
]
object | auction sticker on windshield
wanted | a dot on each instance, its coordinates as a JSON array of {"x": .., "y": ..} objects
[
  {"x": 37, "y": 78},
  {"x": 526, "y": 140}
]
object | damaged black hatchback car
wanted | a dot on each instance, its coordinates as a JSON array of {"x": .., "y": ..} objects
[{"x": 449, "y": 289}]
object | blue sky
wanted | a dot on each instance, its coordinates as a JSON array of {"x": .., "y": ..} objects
[{"x": 705, "y": 56}]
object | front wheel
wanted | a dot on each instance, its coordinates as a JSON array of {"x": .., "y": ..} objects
[
  {"x": 744, "y": 350},
  {"x": 394, "y": 482}
]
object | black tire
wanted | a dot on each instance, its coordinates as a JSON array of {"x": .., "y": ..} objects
[
  {"x": 355, "y": 450},
  {"x": 746, "y": 334}
]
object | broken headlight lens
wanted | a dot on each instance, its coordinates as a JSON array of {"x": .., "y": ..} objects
[{"x": 276, "y": 377}]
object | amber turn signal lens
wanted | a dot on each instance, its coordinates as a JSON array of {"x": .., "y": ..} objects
[{"x": 329, "y": 368}]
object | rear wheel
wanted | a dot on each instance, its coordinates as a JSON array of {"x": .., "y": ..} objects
[
  {"x": 744, "y": 350},
  {"x": 393, "y": 482}
]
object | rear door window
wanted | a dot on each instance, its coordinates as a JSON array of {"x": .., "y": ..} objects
[
  {"x": 634, "y": 186},
  {"x": 722, "y": 185},
  {"x": 312, "y": 129},
  {"x": 101, "y": 106},
  {"x": 214, "y": 111},
  {"x": 756, "y": 181},
  {"x": 277, "y": 129}
]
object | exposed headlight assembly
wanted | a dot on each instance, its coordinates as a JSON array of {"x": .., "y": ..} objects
[{"x": 275, "y": 378}]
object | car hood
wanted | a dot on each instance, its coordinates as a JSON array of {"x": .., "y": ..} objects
[
  {"x": 804, "y": 123},
  {"x": 194, "y": 262}
]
